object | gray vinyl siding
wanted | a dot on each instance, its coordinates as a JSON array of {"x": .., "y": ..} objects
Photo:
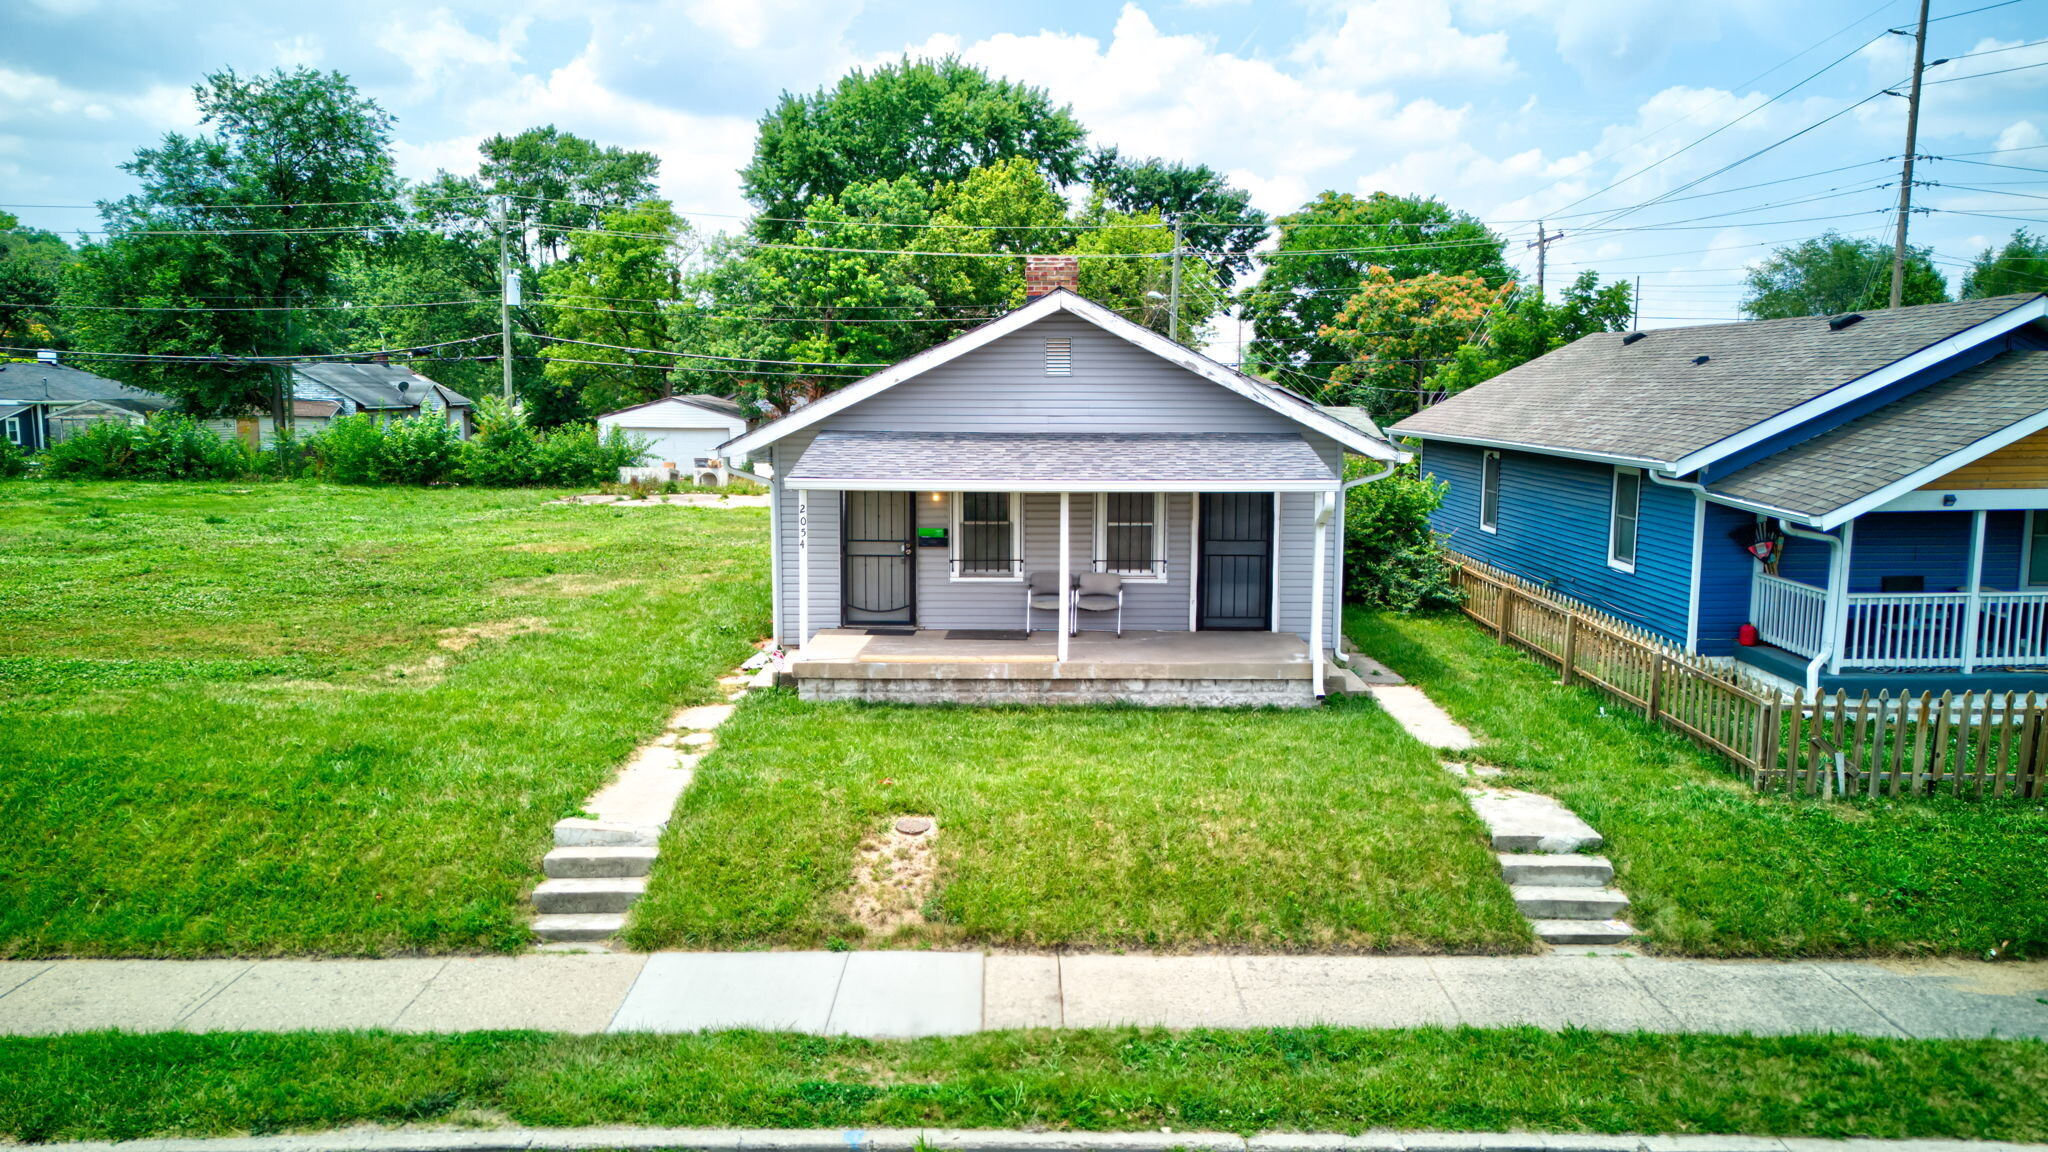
[{"x": 1115, "y": 387}]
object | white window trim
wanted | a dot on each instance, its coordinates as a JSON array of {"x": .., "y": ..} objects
[
  {"x": 953, "y": 573},
  {"x": 1158, "y": 573},
  {"x": 2027, "y": 550},
  {"x": 1483, "y": 458},
  {"x": 1614, "y": 518},
  {"x": 16, "y": 433}
]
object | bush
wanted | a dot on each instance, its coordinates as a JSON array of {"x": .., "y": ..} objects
[
  {"x": 13, "y": 461},
  {"x": 361, "y": 449},
  {"x": 348, "y": 451},
  {"x": 500, "y": 454},
  {"x": 508, "y": 452},
  {"x": 1391, "y": 557},
  {"x": 167, "y": 446}
]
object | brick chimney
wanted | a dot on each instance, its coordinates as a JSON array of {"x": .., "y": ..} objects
[{"x": 1042, "y": 274}]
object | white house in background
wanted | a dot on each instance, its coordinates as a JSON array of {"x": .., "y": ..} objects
[{"x": 686, "y": 430}]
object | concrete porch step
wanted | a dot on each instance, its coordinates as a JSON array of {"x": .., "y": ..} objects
[
  {"x": 1341, "y": 681},
  {"x": 1553, "y": 902},
  {"x": 577, "y": 896},
  {"x": 1554, "y": 871},
  {"x": 597, "y": 862},
  {"x": 1530, "y": 822},
  {"x": 576, "y": 832},
  {"x": 1583, "y": 931},
  {"x": 579, "y": 927}
]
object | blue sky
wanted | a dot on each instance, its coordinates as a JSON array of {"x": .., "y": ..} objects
[{"x": 1511, "y": 109}]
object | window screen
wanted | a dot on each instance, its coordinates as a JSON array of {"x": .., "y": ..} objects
[{"x": 1489, "y": 491}]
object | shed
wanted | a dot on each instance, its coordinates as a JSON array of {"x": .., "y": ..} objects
[{"x": 686, "y": 430}]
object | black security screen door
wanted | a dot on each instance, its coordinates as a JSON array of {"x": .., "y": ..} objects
[
  {"x": 878, "y": 549},
  {"x": 1237, "y": 560}
]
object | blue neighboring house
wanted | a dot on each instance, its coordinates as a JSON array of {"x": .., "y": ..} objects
[{"x": 1891, "y": 468}]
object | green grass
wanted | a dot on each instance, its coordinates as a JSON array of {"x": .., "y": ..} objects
[
  {"x": 1326, "y": 830},
  {"x": 287, "y": 718},
  {"x": 115, "y": 1087},
  {"x": 1713, "y": 868}
]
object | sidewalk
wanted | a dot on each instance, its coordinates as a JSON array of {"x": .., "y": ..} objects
[{"x": 885, "y": 994}]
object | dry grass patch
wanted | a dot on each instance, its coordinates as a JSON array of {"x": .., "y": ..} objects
[{"x": 894, "y": 875}]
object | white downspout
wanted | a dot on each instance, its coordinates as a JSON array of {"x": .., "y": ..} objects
[
  {"x": 1324, "y": 504},
  {"x": 1337, "y": 647},
  {"x": 1972, "y": 624},
  {"x": 1831, "y": 637}
]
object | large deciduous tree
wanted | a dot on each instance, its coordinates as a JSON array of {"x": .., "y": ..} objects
[
  {"x": 1218, "y": 220},
  {"x": 1324, "y": 253},
  {"x": 1399, "y": 331},
  {"x": 931, "y": 120},
  {"x": 615, "y": 287},
  {"x": 32, "y": 264},
  {"x": 2020, "y": 266},
  {"x": 262, "y": 213},
  {"x": 1833, "y": 273}
]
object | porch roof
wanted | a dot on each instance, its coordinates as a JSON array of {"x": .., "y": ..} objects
[
  {"x": 1061, "y": 462},
  {"x": 1905, "y": 443}
]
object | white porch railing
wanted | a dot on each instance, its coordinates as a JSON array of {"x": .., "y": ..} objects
[
  {"x": 1788, "y": 614},
  {"x": 2012, "y": 629}
]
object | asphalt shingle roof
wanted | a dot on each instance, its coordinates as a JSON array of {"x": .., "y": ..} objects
[
  {"x": 41, "y": 383},
  {"x": 968, "y": 459},
  {"x": 376, "y": 385},
  {"x": 1648, "y": 400},
  {"x": 1844, "y": 465}
]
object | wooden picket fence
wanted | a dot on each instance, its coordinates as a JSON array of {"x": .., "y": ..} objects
[{"x": 1977, "y": 745}]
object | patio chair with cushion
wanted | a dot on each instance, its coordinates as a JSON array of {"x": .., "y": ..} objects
[
  {"x": 1100, "y": 592},
  {"x": 1042, "y": 593}
]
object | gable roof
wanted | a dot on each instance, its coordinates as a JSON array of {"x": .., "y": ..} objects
[
  {"x": 376, "y": 385},
  {"x": 1646, "y": 401},
  {"x": 41, "y": 383},
  {"x": 1872, "y": 459},
  {"x": 1261, "y": 392},
  {"x": 714, "y": 404}
]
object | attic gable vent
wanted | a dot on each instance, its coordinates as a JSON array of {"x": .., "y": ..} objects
[
  {"x": 1843, "y": 321},
  {"x": 1059, "y": 356},
  {"x": 1633, "y": 337}
]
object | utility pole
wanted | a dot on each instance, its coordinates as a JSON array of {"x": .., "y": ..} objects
[
  {"x": 1906, "y": 177},
  {"x": 1635, "y": 320},
  {"x": 1173, "y": 293},
  {"x": 1542, "y": 244},
  {"x": 508, "y": 294}
]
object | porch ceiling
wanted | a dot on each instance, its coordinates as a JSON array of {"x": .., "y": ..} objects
[{"x": 1055, "y": 462}]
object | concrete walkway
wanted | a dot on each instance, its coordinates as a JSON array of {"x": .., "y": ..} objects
[
  {"x": 1001, "y": 1140},
  {"x": 944, "y": 993}
]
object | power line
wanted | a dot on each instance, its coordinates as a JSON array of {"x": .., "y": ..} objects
[
  {"x": 266, "y": 308},
  {"x": 235, "y": 358},
  {"x": 703, "y": 355}
]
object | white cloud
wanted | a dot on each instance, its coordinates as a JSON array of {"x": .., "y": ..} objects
[
  {"x": 1608, "y": 39},
  {"x": 1379, "y": 41},
  {"x": 2021, "y": 134}
]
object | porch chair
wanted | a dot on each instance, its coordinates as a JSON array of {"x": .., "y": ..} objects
[
  {"x": 1042, "y": 593},
  {"x": 1099, "y": 592}
]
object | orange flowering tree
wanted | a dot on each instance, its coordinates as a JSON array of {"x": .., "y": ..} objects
[{"x": 1399, "y": 332}]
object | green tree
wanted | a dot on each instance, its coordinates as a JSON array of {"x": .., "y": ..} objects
[
  {"x": 1324, "y": 251},
  {"x": 265, "y": 210},
  {"x": 32, "y": 263},
  {"x": 1524, "y": 326},
  {"x": 1140, "y": 289},
  {"x": 1399, "y": 331},
  {"x": 615, "y": 286},
  {"x": 2020, "y": 266},
  {"x": 1219, "y": 221},
  {"x": 1833, "y": 273},
  {"x": 931, "y": 120}
]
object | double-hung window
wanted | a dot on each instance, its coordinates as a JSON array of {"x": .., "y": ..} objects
[
  {"x": 1489, "y": 492},
  {"x": 1130, "y": 534},
  {"x": 1625, "y": 517},
  {"x": 2037, "y": 549},
  {"x": 11, "y": 427},
  {"x": 987, "y": 536}
]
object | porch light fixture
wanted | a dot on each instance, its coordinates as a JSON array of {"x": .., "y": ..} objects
[
  {"x": 1701, "y": 359},
  {"x": 1948, "y": 499}
]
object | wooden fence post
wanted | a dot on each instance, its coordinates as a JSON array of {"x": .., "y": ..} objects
[
  {"x": 1656, "y": 693},
  {"x": 1506, "y": 611},
  {"x": 1571, "y": 646}
]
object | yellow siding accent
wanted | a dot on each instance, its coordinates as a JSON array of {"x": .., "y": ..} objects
[{"x": 2020, "y": 464}]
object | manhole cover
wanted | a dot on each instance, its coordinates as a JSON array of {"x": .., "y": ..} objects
[{"x": 914, "y": 825}]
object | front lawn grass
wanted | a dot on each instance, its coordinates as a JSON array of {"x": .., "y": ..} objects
[
  {"x": 1118, "y": 827},
  {"x": 292, "y": 718},
  {"x": 1713, "y": 868},
  {"x": 107, "y": 1086}
]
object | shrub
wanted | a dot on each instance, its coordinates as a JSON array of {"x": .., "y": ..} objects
[
  {"x": 348, "y": 451},
  {"x": 167, "y": 446},
  {"x": 13, "y": 461},
  {"x": 501, "y": 453},
  {"x": 361, "y": 449},
  {"x": 1391, "y": 557},
  {"x": 508, "y": 452}
]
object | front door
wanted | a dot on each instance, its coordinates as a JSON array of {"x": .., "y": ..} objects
[
  {"x": 1236, "y": 579},
  {"x": 877, "y": 577}
]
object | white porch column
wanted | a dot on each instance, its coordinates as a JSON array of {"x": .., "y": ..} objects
[
  {"x": 1194, "y": 553},
  {"x": 1972, "y": 624},
  {"x": 1316, "y": 606},
  {"x": 1066, "y": 570},
  {"x": 1838, "y": 597},
  {"x": 803, "y": 568}
]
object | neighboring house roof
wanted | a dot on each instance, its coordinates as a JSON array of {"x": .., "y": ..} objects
[
  {"x": 1648, "y": 401},
  {"x": 315, "y": 409},
  {"x": 1057, "y": 462},
  {"x": 41, "y": 383},
  {"x": 1261, "y": 392},
  {"x": 718, "y": 405},
  {"x": 1902, "y": 445},
  {"x": 375, "y": 386},
  {"x": 7, "y": 410}
]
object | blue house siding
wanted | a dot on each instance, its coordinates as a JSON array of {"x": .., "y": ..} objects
[
  {"x": 1935, "y": 545},
  {"x": 1725, "y": 571},
  {"x": 1554, "y": 516}
]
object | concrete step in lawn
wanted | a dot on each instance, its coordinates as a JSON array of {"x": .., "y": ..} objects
[
  {"x": 1553, "y": 870},
  {"x": 579, "y": 927},
  {"x": 609, "y": 894},
  {"x": 1555, "y": 932},
  {"x": 576, "y": 832},
  {"x": 1529, "y": 822},
  {"x": 1548, "y": 902},
  {"x": 597, "y": 863}
]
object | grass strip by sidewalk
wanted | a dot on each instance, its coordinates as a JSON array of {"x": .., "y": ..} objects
[
  {"x": 1712, "y": 867},
  {"x": 110, "y": 1086},
  {"x": 1164, "y": 829}
]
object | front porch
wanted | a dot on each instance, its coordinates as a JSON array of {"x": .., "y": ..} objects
[{"x": 981, "y": 666}]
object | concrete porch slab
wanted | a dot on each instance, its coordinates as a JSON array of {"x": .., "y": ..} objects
[{"x": 930, "y": 654}]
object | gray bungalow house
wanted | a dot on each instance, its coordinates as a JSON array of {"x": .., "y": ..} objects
[
  {"x": 1061, "y": 505},
  {"x": 43, "y": 402}
]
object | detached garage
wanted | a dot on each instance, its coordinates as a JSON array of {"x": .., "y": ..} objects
[{"x": 685, "y": 429}]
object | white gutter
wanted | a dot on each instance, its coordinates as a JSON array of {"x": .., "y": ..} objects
[
  {"x": 1337, "y": 641},
  {"x": 1838, "y": 578}
]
